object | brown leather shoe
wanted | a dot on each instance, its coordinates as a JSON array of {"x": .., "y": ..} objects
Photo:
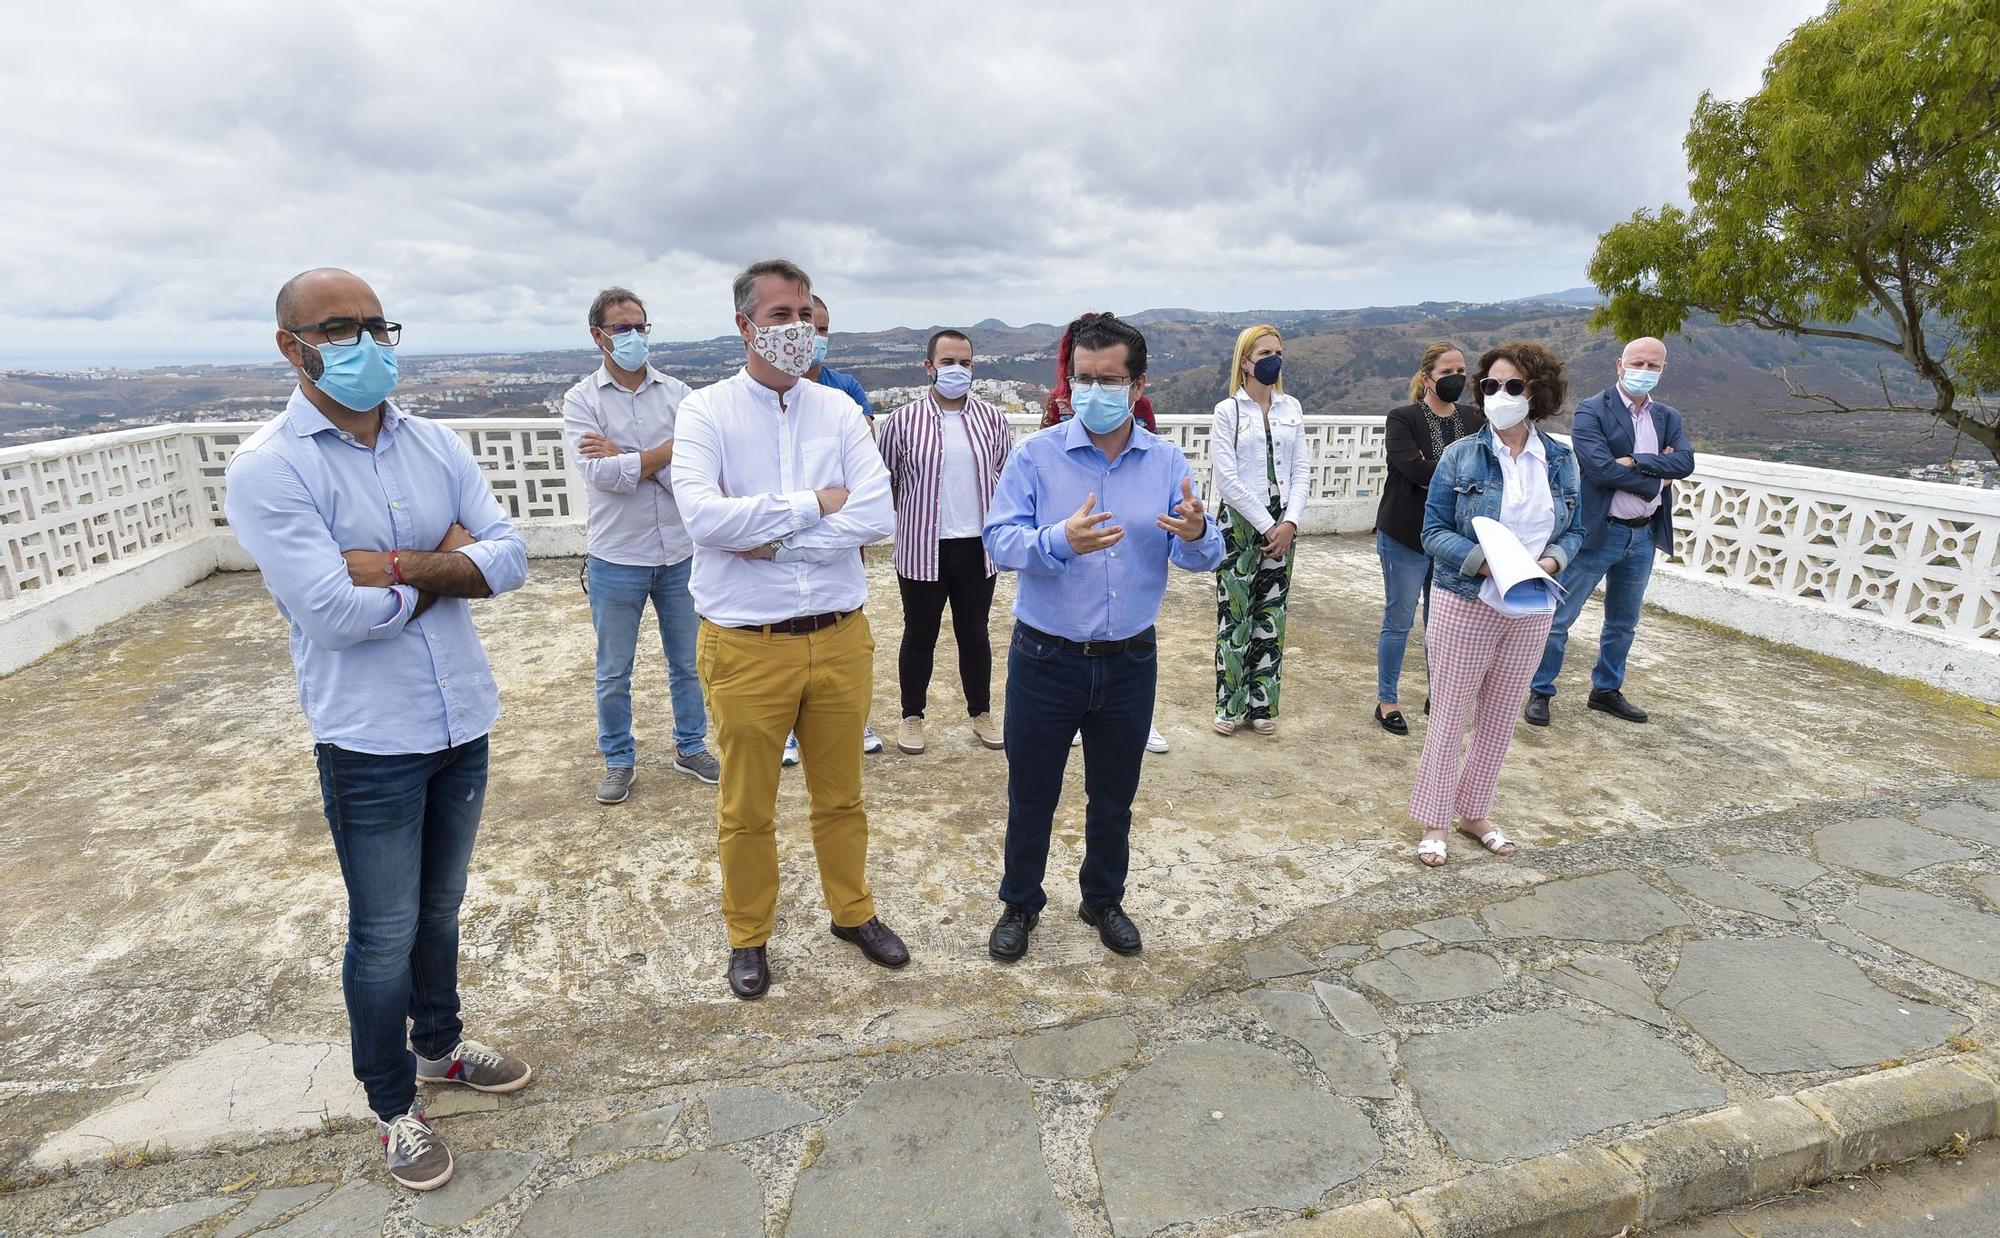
[
  {"x": 877, "y": 941},
  {"x": 749, "y": 973}
]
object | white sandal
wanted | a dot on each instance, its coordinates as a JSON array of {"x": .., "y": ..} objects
[
  {"x": 1225, "y": 725},
  {"x": 1429, "y": 847},
  {"x": 1493, "y": 840},
  {"x": 1264, "y": 726}
]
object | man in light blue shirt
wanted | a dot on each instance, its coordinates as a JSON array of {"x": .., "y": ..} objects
[
  {"x": 332, "y": 499},
  {"x": 1089, "y": 512}
]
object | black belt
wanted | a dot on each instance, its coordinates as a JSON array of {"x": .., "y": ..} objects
[
  {"x": 800, "y": 626},
  {"x": 1633, "y": 522},
  {"x": 1094, "y": 648}
]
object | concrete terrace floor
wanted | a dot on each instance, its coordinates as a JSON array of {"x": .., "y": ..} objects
[{"x": 168, "y": 894}]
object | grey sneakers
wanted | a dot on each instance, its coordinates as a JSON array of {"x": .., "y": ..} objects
[
  {"x": 416, "y": 1157},
  {"x": 617, "y": 784},
  {"x": 480, "y": 1067},
  {"x": 702, "y": 765},
  {"x": 910, "y": 736},
  {"x": 987, "y": 732}
]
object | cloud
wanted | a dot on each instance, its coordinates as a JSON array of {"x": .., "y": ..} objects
[{"x": 489, "y": 166}]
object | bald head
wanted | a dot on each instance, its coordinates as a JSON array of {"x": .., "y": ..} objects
[
  {"x": 299, "y": 301},
  {"x": 1643, "y": 350}
]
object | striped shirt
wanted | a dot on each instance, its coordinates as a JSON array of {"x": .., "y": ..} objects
[{"x": 912, "y": 442}]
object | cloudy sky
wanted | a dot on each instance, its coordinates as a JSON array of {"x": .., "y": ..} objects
[{"x": 488, "y": 166}]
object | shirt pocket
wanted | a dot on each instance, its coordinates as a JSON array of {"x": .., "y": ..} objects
[{"x": 820, "y": 464}]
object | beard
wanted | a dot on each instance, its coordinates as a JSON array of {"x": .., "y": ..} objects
[{"x": 311, "y": 362}]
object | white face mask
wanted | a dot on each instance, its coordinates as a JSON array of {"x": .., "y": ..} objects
[
  {"x": 788, "y": 346},
  {"x": 953, "y": 381},
  {"x": 1504, "y": 412}
]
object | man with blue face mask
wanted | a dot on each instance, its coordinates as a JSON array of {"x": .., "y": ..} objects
[
  {"x": 1630, "y": 449},
  {"x": 338, "y": 500},
  {"x": 1090, "y": 512},
  {"x": 619, "y": 424}
]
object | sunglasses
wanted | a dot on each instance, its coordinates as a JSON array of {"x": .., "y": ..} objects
[{"x": 1491, "y": 386}]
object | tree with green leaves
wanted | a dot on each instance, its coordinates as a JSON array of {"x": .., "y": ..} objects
[{"x": 1856, "y": 196}]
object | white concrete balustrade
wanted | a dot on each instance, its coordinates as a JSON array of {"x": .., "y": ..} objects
[{"x": 1901, "y": 576}]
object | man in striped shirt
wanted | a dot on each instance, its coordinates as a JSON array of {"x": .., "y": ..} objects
[{"x": 945, "y": 452}]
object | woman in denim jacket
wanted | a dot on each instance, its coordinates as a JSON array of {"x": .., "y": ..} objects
[{"x": 1482, "y": 659}]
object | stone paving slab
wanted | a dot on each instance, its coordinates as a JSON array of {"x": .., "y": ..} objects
[
  {"x": 1527, "y": 1084},
  {"x": 944, "y": 1155},
  {"x": 1452, "y": 930},
  {"x": 1216, "y": 1127},
  {"x": 269, "y": 1205},
  {"x": 456, "y": 1102},
  {"x": 1078, "y": 1052},
  {"x": 159, "y": 1222},
  {"x": 1355, "y": 1013},
  {"x": 738, "y": 1114},
  {"x": 1774, "y": 1005},
  {"x": 1353, "y": 1067},
  {"x": 1988, "y": 888},
  {"x": 1968, "y": 821},
  {"x": 1774, "y": 868},
  {"x": 1937, "y": 930},
  {"x": 1720, "y": 889},
  {"x": 1397, "y": 939},
  {"x": 1607, "y": 907},
  {"x": 701, "y": 1195},
  {"x": 1270, "y": 964},
  {"x": 645, "y": 1129},
  {"x": 479, "y": 1179},
  {"x": 1612, "y": 983},
  {"x": 1410, "y": 977},
  {"x": 361, "y": 1207},
  {"x": 1885, "y": 847}
]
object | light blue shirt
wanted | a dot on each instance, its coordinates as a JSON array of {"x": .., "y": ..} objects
[
  {"x": 1107, "y": 594},
  {"x": 371, "y": 678}
]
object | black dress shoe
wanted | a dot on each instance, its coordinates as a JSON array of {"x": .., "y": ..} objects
[
  {"x": 1010, "y": 937},
  {"x": 1114, "y": 928},
  {"x": 1537, "y": 712},
  {"x": 1615, "y": 704},
  {"x": 877, "y": 941},
  {"x": 1394, "y": 723},
  {"x": 749, "y": 973}
]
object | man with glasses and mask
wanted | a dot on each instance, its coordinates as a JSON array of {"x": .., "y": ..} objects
[
  {"x": 1090, "y": 513},
  {"x": 372, "y": 530},
  {"x": 619, "y": 424},
  {"x": 780, "y": 484}
]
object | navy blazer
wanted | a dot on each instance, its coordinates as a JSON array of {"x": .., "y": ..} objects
[{"x": 1602, "y": 432}]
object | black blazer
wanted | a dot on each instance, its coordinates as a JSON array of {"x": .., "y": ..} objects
[{"x": 1408, "y": 446}]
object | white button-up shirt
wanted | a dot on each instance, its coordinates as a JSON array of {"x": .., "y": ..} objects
[
  {"x": 748, "y": 462},
  {"x": 633, "y": 520}
]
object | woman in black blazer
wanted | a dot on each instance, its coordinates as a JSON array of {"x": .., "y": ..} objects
[{"x": 1418, "y": 433}]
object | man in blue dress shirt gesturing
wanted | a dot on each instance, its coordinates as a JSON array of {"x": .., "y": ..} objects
[{"x": 1089, "y": 512}]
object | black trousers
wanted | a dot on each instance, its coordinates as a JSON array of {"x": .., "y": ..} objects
[{"x": 963, "y": 584}]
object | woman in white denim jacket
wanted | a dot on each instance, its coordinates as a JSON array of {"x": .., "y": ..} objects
[{"x": 1263, "y": 472}]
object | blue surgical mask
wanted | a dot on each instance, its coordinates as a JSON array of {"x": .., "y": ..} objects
[
  {"x": 1639, "y": 382},
  {"x": 629, "y": 350},
  {"x": 1101, "y": 410},
  {"x": 359, "y": 376},
  {"x": 1265, "y": 369},
  {"x": 819, "y": 350}
]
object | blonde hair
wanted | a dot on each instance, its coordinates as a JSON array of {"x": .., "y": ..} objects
[
  {"x": 1245, "y": 341},
  {"x": 1437, "y": 349}
]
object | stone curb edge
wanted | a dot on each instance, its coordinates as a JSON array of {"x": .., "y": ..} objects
[{"x": 1697, "y": 1165}]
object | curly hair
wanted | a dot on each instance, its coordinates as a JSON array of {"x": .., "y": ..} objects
[{"x": 1547, "y": 388}]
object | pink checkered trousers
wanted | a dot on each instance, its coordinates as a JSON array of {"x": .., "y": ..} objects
[{"x": 1481, "y": 664}]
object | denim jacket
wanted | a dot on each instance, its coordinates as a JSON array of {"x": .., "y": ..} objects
[{"x": 1468, "y": 483}]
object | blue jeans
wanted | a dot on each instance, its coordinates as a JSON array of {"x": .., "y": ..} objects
[
  {"x": 1406, "y": 576},
  {"x": 1624, "y": 563},
  {"x": 403, "y": 828},
  {"x": 617, "y": 603},
  {"x": 1052, "y": 693}
]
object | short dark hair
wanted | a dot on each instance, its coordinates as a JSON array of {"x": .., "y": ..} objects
[
  {"x": 1098, "y": 331},
  {"x": 611, "y": 296},
  {"x": 930, "y": 349},
  {"x": 745, "y": 287},
  {"x": 1543, "y": 369}
]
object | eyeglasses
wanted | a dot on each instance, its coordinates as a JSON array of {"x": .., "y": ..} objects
[
  {"x": 620, "y": 328},
  {"x": 346, "y": 332},
  {"x": 1102, "y": 384},
  {"x": 1491, "y": 386}
]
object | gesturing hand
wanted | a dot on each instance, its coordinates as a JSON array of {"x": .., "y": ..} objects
[
  {"x": 1087, "y": 530},
  {"x": 1193, "y": 520},
  {"x": 594, "y": 446}
]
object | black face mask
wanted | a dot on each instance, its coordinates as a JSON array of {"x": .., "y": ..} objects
[{"x": 1450, "y": 387}]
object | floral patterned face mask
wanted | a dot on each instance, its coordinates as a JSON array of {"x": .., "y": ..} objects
[{"x": 788, "y": 346}]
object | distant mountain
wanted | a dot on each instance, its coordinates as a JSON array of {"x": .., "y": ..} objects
[{"x": 1585, "y": 296}]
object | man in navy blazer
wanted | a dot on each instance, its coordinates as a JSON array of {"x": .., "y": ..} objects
[{"x": 1630, "y": 448}]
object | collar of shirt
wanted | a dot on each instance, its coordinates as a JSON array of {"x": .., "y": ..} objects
[
  {"x": 647, "y": 378},
  {"x": 306, "y": 420},
  {"x": 1632, "y": 406},
  {"x": 1076, "y": 437}
]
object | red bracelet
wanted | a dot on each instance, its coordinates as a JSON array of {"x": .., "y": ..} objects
[{"x": 395, "y": 568}]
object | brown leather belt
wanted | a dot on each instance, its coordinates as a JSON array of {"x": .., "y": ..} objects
[{"x": 801, "y": 626}]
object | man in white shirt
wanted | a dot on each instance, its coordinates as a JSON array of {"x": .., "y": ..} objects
[
  {"x": 780, "y": 484},
  {"x": 619, "y": 424}
]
